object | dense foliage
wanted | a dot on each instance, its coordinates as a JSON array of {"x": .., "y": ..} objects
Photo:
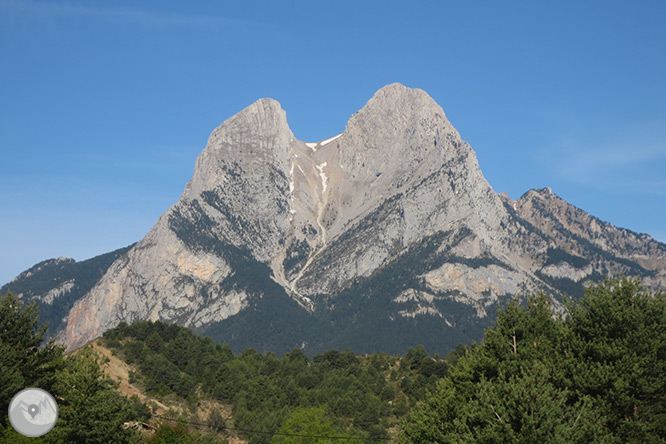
[
  {"x": 23, "y": 363},
  {"x": 357, "y": 395},
  {"x": 309, "y": 425},
  {"x": 90, "y": 409},
  {"x": 596, "y": 375}
]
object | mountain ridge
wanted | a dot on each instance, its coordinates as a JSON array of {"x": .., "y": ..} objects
[
  {"x": 397, "y": 197},
  {"x": 55, "y": 284}
]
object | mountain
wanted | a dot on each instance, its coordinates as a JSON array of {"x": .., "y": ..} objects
[
  {"x": 55, "y": 284},
  {"x": 380, "y": 238}
]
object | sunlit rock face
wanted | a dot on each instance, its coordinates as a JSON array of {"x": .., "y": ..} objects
[{"x": 382, "y": 236}]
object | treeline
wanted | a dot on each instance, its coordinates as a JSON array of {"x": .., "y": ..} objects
[
  {"x": 589, "y": 371},
  {"x": 596, "y": 374},
  {"x": 273, "y": 398},
  {"x": 90, "y": 409},
  {"x": 364, "y": 396}
]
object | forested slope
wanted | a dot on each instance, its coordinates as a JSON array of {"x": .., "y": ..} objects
[{"x": 594, "y": 375}]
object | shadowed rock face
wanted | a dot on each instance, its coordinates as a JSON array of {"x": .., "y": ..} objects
[
  {"x": 398, "y": 197},
  {"x": 56, "y": 284}
]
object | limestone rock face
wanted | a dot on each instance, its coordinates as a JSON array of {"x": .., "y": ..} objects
[
  {"x": 399, "y": 172},
  {"x": 583, "y": 247},
  {"x": 54, "y": 285},
  {"x": 385, "y": 233},
  {"x": 238, "y": 196}
]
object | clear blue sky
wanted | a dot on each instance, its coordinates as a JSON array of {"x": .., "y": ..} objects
[{"x": 104, "y": 105}]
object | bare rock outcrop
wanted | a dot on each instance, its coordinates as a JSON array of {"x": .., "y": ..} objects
[{"x": 391, "y": 221}]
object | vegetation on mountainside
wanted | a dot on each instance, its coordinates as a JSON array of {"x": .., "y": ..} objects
[
  {"x": 361, "y": 395},
  {"x": 52, "y": 274},
  {"x": 594, "y": 375},
  {"x": 90, "y": 410}
]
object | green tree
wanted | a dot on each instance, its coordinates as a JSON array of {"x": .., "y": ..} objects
[
  {"x": 90, "y": 410},
  {"x": 506, "y": 390},
  {"x": 24, "y": 361},
  {"x": 595, "y": 376},
  {"x": 312, "y": 426},
  {"x": 178, "y": 434},
  {"x": 414, "y": 357},
  {"x": 616, "y": 354},
  {"x": 167, "y": 434},
  {"x": 154, "y": 342}
]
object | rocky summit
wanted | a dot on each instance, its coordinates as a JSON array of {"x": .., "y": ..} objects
[{"x": 383, "y": 237}]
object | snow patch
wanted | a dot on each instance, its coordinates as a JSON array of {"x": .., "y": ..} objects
[
  {"x": 291, "y": 178},
  {"x": 313, "y": 145},
  {"x": 330, "y": 140},
  {"x": 324, "y": 178}
]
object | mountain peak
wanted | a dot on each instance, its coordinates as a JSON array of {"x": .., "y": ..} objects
[
  {"x": 403, "y": 101},
  {"x": 398, "y": 89},
  {"x": 259, "y": 134},
  {"x": 547, "y": 210},
  {"x": 265, "y": 116},
  {"x": 539, "y": 193},
  {"x": 265, "y": 106},
  {"x": 399, "y": 129},
  {"x": 396, "y": 108},
  {"x": 393, "y": 221}
]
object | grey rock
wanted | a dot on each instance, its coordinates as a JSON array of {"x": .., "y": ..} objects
[{"x": 323, "y": 218}]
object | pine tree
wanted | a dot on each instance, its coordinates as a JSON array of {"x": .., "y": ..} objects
[
  {"x": 24, "y": 360},
  {"x": 616, "y": 354},
  {"x": 90, "y": 409},
  {"x": 310, "y": 426},
  {"x": 506, "y": 389}
]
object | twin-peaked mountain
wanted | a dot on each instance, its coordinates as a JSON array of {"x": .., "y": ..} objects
[{"x": 380, "y": 238}]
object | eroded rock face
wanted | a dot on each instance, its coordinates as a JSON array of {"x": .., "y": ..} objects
[
  {"x": 399, "y": 172},
  {"x": 160, "y": 278},
  {"x": 398, "y": 193},
  {"x": 238, "y": 196},
  {"x": 54, "y": 285},
  {"x": 582, "y": 247}
]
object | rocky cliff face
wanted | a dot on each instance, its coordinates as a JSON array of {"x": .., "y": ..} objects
[
  {"x": 379, "y": 238},
  {"x": 583, "y": 248},
  {"x": 238, "y": 198},
  {"x": 56, "y": 284}
]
